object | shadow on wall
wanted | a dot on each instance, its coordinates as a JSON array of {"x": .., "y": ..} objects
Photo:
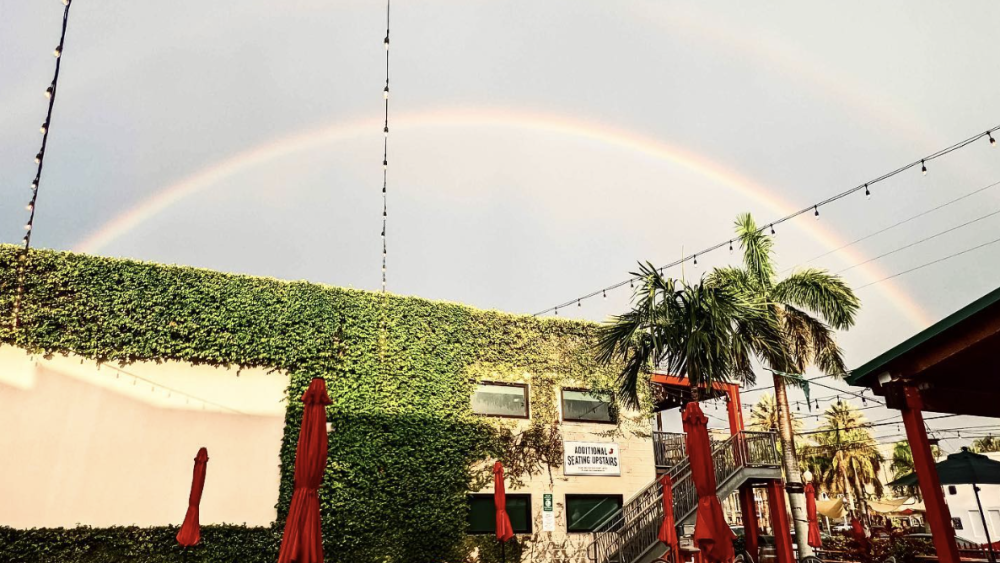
[{"x": 81, "y": 453}]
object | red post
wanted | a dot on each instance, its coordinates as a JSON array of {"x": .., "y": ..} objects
[
  {"x": 938, "y": 515},
  {"x": 735, "y": 409},
  {"x": 779, "y": 522},
  {"x": 748, "y": 507}
]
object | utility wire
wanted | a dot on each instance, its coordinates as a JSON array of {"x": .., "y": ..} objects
[
  {"x": 931, "y": 263},
  {"x": 813, "y": 208}
]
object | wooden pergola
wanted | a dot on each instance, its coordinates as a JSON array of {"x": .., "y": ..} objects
[{"x": 951, "y": 367}]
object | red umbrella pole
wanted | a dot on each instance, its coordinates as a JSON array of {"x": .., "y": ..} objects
[
  {"x": 190, "y": 532},
  {"x": 302, "y": 541}
]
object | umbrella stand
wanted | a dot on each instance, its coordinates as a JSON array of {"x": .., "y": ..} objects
[{"x": 986, "y": 528}]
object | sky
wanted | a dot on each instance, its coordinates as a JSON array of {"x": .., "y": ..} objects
[{"x": 537, "y": 151}]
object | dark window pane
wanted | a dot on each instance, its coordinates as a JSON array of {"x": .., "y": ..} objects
[
  {"x": 586, "y": 512},
  {"x": 482, "y": 513},
  {"x": 581, "y": 405},
  {"x": 500, "y": 400}
]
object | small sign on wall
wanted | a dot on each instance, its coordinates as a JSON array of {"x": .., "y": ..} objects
[
  {"x": 591, "y": 458},
  {"x": 548, "y": 514}
]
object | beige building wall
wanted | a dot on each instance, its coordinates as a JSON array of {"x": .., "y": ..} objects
[
  {"x": 111, "y": 445},
  {"x": 638, "y": 470}
]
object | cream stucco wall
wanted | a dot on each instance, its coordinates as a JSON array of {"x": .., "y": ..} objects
[
  {"x": 637, "y": 471},
  {"x": 111, "y": 445}
]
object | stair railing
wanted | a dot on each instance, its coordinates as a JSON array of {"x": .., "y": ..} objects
[{"x": 632, "y": 531}]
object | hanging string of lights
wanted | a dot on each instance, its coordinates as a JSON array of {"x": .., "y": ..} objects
[
  {"x": 385, "y": 146},
  {"x": 50, "y": 94},
  {"x": 770, "y": 226}
]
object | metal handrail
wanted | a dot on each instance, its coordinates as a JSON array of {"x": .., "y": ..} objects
[{"x": 630, "y": 532}]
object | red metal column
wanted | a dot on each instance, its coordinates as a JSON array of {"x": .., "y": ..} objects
[
  {"x": 938, "y": 515},
  {"x": 779, "y": 522},
  {"x": 748, "y": 506},
  {"x": 735, "y": 409}
]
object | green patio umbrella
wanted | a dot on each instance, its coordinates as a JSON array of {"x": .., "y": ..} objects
[{"x": 965, "y": 468}]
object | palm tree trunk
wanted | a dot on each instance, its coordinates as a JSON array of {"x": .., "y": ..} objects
[
  {"x": 847, "y": 487},
  {"x": 797, "y": 500}
]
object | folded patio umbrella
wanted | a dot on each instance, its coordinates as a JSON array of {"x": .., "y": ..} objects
[
  {"x": 668, "y": 529},
  {"x": 711, "y": 532},
  {"x": 190, "y": 532},
  {"x": 302, "y": 541},
  {"x": 965, "y": 468},
  {"x": 814, "y": 539},
  {"x": 833, "y": 508},
  {"x": 504, "y": 530}
]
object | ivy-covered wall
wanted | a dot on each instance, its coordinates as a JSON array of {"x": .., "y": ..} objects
[{"x": 405, "y": 447}]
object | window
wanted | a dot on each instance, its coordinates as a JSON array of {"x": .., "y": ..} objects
[
  {"x": 581, "y": 406},
  {"x": 977, "y": 524},
  {"x": 952, "y": 490},
  {"x": 501, "y": 399},
  {"x": 584, "y": 513},
  {"x": 482, "y": 513}
]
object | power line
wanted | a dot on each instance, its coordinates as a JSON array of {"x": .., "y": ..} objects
[
  {"x": 50, "y": 94},
  {"x": 899, "y": 223},
  {"x": 813, "y": 208},
  {"x": 931, "y": 263},
  {"x": 923, "y": 240}
]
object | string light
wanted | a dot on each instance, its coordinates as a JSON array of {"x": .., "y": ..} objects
[
  {"x": 992, "y": 140},
  {"x": 385, "y": 151},
  {"x": 814, "y": 207},
  {"x": 730, "y": 246},
  {"x": 50, "y": 95},
  {"x": 695, "y": 259},
  {"x": 605, "y": 294}
]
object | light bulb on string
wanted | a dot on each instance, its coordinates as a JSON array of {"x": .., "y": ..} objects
[
  {"x": 730, "y": 246},
  {"x": 57, "y": 51},
  {"x": 38, "y": 157},
  {"x": 816, "y": 211},
  {"x": 385, "y": 131},
  {"x": 29, "y": 207},
  {"x": 695, "y": 259},
  {"x": 385, "y": 92},
  {"x": 868, "y": 193},
  {"x": 44, "y": 128},
  {"x": 992, "y": 140},
  {"x": 385, "y": 164},
  {"x": 66, "y": 2},
  {"x": 772, "y": 228},
  {"x": 385, "y": 42},
  {"x": 578, "y": 304},
  {"x": 49, "y": 91},
  {"x": 557, "y": 311},
  {"x": 604, "y": 292},
  {"x": 27, "y": 226},
  {"x": 923, "y": 168},
  {"x": 34, "y": 184}
]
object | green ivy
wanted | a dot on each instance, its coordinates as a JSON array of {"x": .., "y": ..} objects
[
  {"x": 219, "y": 544},
  {"x": 405, "y": 448}
]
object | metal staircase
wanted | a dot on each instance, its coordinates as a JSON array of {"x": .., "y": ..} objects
[{"x": 629, "y": 536}]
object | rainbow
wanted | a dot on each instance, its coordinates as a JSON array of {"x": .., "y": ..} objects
[{"x": 486, "y": 117}]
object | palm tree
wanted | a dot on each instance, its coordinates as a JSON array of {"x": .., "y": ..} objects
[
  {"x": 808, "y": 306},
  {"x": 854, "y": 458},
  {"x": 902, "y": 464},
  {"x": 988, "y": 444},
  {"x": 699, "y": 331},
  {"x": 764, "y": 416}
]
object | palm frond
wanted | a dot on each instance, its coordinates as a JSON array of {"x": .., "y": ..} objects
[
  {"x": 757, "y": 247},
  {"x": 821, "y": 293}
]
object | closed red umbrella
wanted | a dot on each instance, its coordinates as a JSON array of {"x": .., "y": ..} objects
[
  {"x": 504, "y": 529},
  {"x": 815, "y": 540},
  {"x": 668, "y": 530},
  {"x": 302, "y": 541},
  {"x": 190, "y": 532},
  {"x": 711, "y": 532}
]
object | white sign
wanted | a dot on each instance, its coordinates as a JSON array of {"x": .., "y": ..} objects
[
  {"x": 548, "y": 515},
  {"x": 591, "y": 458}
]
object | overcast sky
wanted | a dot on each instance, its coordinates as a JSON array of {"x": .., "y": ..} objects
[{"x": 538, "y": 150}]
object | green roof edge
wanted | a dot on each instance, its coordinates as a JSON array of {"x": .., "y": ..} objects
[{"x": 878, "y": 363}]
